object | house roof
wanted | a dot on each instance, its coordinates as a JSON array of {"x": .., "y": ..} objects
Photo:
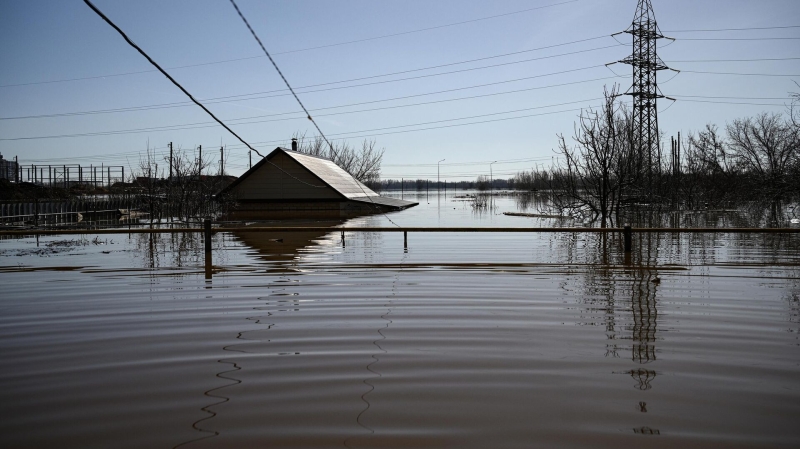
[{"x": 330, "y": 174}]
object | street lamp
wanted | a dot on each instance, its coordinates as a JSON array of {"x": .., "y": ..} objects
[
  {"x": 491, "y": 178},
  {"x": 437, "y": 176}
]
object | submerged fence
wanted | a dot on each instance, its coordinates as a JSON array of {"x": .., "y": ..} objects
[
  {"x": 62, "y": 210},
  {"x": 207, "y": 230}
]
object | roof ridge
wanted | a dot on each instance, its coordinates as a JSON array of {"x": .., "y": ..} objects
[{"x": 306, "y": 154}]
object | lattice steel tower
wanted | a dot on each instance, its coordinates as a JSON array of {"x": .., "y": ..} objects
[{"x": 645, "y": 91}]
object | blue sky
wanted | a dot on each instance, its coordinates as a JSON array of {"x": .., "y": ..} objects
[{"x": 58, "y": 57}]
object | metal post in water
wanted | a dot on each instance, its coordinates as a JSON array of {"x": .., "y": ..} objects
[
  {"x": 207, "y": 241},
  {"x": 627, "y": 234},
  {"x": 342, "y": 239},
  {"x": 405, "y": 239}
]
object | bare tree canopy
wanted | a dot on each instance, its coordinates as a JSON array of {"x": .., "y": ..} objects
[
  {"x": 363, "y": 163},
  {"x": 591, "y": 174}
]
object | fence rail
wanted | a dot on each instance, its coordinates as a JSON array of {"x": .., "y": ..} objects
[
  {"x": 627, "y": 232},
  {"x": 44, "y": 232}
]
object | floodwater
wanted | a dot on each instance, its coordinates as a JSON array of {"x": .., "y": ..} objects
[{"x": 458, "y": 340}]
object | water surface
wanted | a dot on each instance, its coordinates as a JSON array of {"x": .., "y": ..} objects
[{"x": 458, "y": 340}]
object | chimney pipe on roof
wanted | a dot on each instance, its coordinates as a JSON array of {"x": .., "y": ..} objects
[{"x": 294, "y": 144}]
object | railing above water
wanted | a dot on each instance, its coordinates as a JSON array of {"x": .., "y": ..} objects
[{"x": 207, "y": 230}]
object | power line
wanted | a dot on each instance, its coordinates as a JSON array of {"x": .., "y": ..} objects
[
  {"x": 732, "y": 29},
  {"x": 131, "y": 43},
  {"x": 736, "y": 73},
  {"x": 137, "y": 72},
  {"x": 434, "y": 74},
  {"x": 734, "y": 98},
  {"x": 404, "y": 97},
  {"x": 452, "y": 164},
  {"x": 206, "y": 125},
  {"x": 267, "y": 143},
  {"x": 315, "y": 85},
  {"x": 738, "y": 39},
  {"x": 330, "y": 145},
  {"x": 149, "y": 59},
  {"x": 439, "y": 127},
  {"x": 241, "y": 122},
  {"x": 282, "y": 77},
  {"x": 224, "y": 61},
  {"x": 423, "y": 29},
  {"x": 255, "y": 95},
  {"x": 734, "y": 103},
  {"x": 733, "y": 60}
]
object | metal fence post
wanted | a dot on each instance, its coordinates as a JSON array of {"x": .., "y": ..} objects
[
  {"x": 627, "y": 233},
  {"x": 207, "y": 238}
]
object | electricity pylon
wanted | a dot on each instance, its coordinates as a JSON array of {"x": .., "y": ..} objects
[{"x": 644, "y": 90}]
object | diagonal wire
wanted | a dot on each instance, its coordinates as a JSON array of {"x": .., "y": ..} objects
[
  {"x": 155, "y": 64},
  {"x": 282, "y": 77},
  {"x": 333, "y": 151}
]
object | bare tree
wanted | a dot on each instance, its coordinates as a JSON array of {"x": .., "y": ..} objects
[
  {"x": 148, "y": 181},
  {"x": 766, "y": 149},
  {"x": 590, "y": 177},
  {"x": 711, "y": 170},
  {"x": 190, "y": 189},
  {"x": 364, "y": 164}
]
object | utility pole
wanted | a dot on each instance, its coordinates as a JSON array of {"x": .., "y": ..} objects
[
  {"x": 437, "y": 176},
  {"x": 250, "y": 158},
  {"x": 200, "y": 162},
  {"x": 644, "y": 90},
  {"x": 221, "y": 166},
  {"x": 491, "y": 178},
  {"x": 170, "y": 162}
]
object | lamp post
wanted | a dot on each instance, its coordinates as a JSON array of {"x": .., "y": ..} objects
[
  {"x": 437, "y": 176},
  {"x": 491, "y": 178}
]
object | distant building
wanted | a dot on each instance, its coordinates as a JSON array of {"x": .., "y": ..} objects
[
  {"x": 289, "y": 184},
  {"x": 8, "y": 169}
]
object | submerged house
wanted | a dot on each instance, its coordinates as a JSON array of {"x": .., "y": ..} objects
[{"x": 289, "y": 184}]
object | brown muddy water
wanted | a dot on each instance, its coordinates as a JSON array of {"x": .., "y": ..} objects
[{"x": 460, "y": 340}]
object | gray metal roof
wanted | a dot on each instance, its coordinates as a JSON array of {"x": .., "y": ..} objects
[
  {"x": 333, "y": 175},
  {"x": 385, "y": 201}
]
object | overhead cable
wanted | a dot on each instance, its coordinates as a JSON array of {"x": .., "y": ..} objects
[
  {"x": 423, "y": 29},
  {"x": 149, "y": 59},
  {"x": 131, "y": 43}
]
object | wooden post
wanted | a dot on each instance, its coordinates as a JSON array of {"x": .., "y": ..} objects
[
  {"x": 405, "y": 239},
  {"x": 343, "y": 239},
  {"x": 627, "y": 233},
  {"x": 207, "y": 242}
]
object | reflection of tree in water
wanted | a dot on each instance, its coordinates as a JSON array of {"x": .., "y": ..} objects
[
  {"x": 534, "y": 202},
  {"x": 170, "y": 250}
]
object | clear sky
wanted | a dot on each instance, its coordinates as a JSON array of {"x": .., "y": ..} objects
[{"x": 58, "y": 58}]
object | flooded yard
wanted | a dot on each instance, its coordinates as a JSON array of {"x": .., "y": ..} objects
[{"x": 457, "y": 340}]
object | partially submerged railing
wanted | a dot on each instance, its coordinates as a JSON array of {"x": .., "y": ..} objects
[{"x": 207, "y": 230}]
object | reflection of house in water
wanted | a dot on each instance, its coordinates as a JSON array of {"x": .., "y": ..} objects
[
  {"x": 284, "y": 246},
  {"x": 288, "y": 184}
]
